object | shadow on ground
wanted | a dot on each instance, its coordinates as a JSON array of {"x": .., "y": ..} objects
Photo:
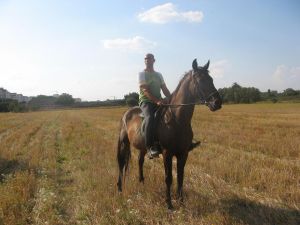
[
  {"x": 254, "y": 213},
  {"x": 10, "y": 166},
  {"x": 201, "y": 205},
  {"x": 240, "y": 210}
]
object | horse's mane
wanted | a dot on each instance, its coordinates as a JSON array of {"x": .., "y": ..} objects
[
  {"x": 185, "y": 75},
  {"x": 180, "y": 82}
]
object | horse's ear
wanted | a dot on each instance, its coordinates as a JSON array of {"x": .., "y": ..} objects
[
  {"x": 195, "y": 64},
  {"x": 206, "y": 65}
]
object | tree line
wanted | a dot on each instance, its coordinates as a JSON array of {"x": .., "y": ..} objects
[
  {"x": 36, "y": 103},
  {"x": 10, "y": 105},
  {"x": 237, "y": 94},
  {"x": 233, "y": 95}
]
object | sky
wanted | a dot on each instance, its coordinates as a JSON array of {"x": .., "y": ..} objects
[{"x": 94, "y": 50}]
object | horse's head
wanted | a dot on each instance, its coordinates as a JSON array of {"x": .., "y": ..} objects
[{"x": 204, "y": 86}]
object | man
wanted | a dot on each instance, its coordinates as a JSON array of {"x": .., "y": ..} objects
[{"x": 151, "y": 82}]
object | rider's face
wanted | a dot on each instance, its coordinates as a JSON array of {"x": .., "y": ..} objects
[{"x": 149, "y": 61}]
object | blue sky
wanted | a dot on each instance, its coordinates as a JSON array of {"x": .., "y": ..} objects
[{"x": 95, "y": 49}]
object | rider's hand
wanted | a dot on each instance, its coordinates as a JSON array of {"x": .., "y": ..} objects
[
  {"x": 159, "y": 102},
  {"x": 166, "y": 100}
]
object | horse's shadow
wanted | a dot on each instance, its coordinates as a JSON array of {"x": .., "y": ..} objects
[
  {"x": 239, "y": 209},
  {"x": 199, "y": 204},
  {"x": 255, "y": 213},
  {"x": 8, "y": 167}
]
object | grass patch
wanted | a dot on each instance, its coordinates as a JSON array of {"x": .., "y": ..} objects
[{"x": 59, "y": 167}]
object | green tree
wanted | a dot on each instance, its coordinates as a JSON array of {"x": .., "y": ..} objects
[
  {"x": 65, "y": 100},
  {"x": 289, "y": 92},
  {"x": 41, "y": 101},
  {"x": 14, "y": 106},
  {"x": 132, "y": 99},
  {"x": 238, "y": 94},
  {"x": 8, "y": 105}
]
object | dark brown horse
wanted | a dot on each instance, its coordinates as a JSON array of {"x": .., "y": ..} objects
[{"x": 174, "y": 129}]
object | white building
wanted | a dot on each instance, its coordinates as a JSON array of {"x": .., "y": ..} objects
[
  {"x": 13, "y": 96},
  {"x": 8, "y": 95},
  {"x": 4, "y": 94}
]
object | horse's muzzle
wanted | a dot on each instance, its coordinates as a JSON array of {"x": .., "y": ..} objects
[{"x": 215, "y": 102}]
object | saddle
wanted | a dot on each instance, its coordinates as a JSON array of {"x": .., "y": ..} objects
[{"x": 157, "y": 117}]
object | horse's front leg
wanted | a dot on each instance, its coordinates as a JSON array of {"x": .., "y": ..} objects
[
  {"x": 169, "y": 178},
  {"x": 181, "y": 160},
  {"x": 141, "y": 164}
]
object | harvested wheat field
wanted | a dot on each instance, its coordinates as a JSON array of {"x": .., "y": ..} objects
[{"x": 59, "y": 167}]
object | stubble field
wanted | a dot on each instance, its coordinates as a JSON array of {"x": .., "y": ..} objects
[{"x": 59, "y": 167}]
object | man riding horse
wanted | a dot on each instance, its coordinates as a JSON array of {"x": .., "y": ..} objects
[
  {"x": 174, "y": 129},
  {"x": 151, "y": 82}
]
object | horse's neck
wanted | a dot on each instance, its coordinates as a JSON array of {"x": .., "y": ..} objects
[{"x": 183, "y": 95}]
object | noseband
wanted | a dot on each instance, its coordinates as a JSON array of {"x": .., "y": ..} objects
[
  {"x": 209, "y": 96},
  {"x": 200, "y": 94}
]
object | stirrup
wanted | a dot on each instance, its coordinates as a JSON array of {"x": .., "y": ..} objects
[{"x": 153, "y": 152}]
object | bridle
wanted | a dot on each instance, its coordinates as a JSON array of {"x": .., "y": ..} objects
[
  {"x": 210, "y": 95},
  {"x": 203, "y": 99}
]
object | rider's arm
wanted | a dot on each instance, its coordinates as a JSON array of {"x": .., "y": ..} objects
[
  {"x": 166, "y": 91},
  {"x": 148, "y": 94}
]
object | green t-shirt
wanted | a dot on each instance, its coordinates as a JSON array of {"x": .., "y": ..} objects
[{"x": 154, "y": 81}]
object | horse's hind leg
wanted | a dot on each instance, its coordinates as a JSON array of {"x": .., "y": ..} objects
[
  {"x": 123, "y": 157},
  {"x": 141, "y": 164}
]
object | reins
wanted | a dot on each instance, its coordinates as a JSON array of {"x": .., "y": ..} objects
[
  {"x": 179, "y": 105},
  {"x": 192, "y": 103}
]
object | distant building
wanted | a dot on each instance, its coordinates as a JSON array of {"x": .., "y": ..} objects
[
  {"x": 13, "y": 96},
  {"x": 27, "y": 99},
  {"x": 20, "y": 98},
  {"x": 8, "y": 95},
  {"x": 4, "y": 94}
]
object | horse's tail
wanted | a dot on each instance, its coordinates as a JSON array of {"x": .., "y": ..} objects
[{"x": 123, "y": 153}]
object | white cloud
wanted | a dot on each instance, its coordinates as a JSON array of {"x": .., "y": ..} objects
[
  {"x": 283, "y": 73},
  {"x": 165, "y": 13},
  {"x": 136, "y": 44},
  {"x": 286, "y": 77},
  {"x": 218, "y": 68}
]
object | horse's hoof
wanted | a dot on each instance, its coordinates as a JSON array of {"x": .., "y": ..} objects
[
  {"x": 180, "y": 200},
  {"x": 119, "y": 188},
  {"x": 181, "y": 203},
  {"x": 170, "y": 206}
]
